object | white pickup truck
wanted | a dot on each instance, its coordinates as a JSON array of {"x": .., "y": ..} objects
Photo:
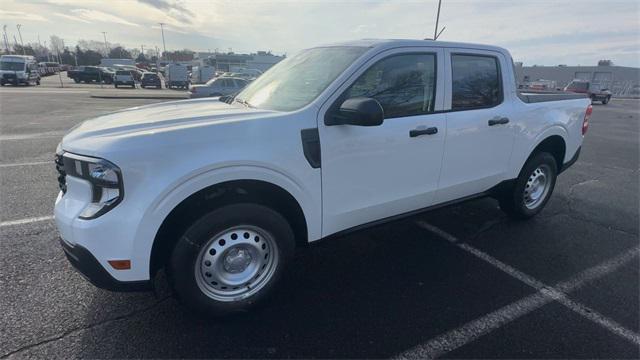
[{"x": 339, "y": 137}]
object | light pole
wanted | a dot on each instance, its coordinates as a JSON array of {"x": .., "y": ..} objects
[
  {"x": 106, "y": 47},
  {"x": 20, "y": 34},
  {"x": 164, "y": 46}
]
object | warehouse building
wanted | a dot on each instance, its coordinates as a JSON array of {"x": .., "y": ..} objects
[{"x": 620, "y": 80}]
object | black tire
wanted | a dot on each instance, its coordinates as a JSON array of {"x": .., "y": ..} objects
[
  {"x": 76, "y": 80},
  {"x": 116, "y": 85},
  {"x": 512, "y": 198},
  {"x": 605, "y": 101},
  {"x": 184, "y": 258},
  {"x": 38, "y": 82}
]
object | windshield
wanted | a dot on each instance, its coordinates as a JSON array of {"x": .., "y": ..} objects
[
  {"x": 12, "y": 66},
  {"x": 298, "y": 80}
]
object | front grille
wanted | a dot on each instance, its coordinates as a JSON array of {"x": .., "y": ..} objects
[
  {"x": 9, "y": 76},
  {"x": 62, "y": 176}
]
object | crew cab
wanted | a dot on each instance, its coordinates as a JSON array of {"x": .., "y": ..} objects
[
  {"x": 220, "y": 194},
  {"x": 595, "y": 92},
  {"x": 89, "y": 74}
]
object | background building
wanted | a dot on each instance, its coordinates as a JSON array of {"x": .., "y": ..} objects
[
  {"x": 620, "y": 80},
  {"x": 262, "y": 60}
]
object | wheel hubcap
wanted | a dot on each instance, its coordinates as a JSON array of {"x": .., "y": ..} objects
[
  {"x": 537, "y": 187},
  {"x": 237, "y": 260},
  {"x": 236, "y": 263}
]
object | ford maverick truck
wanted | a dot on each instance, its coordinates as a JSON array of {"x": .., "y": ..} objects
[{"x": 219, "y": 194}]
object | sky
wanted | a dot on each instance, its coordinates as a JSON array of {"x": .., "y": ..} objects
[{"x": 542, "y": 32}]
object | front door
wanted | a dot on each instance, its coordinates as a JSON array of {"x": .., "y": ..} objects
[
  {"x": 480, "y": 134},
  {"x": 376, "y": 172}
]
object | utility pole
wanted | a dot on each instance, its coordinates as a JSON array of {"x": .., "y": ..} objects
[
  {"x": 164, "y": 46},
  {"x": 21, "y": 43},
  {"x": 142, "y": 50},
  {"x": 106, "y": 47}
]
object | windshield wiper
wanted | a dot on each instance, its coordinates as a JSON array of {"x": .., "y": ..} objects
[{"x": 243, "y": 102}]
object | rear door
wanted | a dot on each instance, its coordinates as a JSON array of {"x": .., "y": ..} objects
[
  {"x": 375, "y": 172},
  {"x": 480, "y": 134}
]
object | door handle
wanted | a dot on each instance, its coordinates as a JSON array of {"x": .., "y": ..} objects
[
  {"x": 427, "y": 131},
  {"x": 498, "y": 121}
]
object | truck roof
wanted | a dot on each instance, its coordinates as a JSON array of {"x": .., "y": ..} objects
[{"x": 393, "y": 43}]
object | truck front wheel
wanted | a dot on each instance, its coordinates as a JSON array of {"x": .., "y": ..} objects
[
  {"x": 530, "y": 192},
  {"x": 230, "y": 259}
]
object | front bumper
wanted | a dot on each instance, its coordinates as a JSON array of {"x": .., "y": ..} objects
[{"x": 87, "y": 265}]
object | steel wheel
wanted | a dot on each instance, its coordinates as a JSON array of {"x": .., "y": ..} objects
[
  {"x": 537, "y": 187},
  {"x": 236, "y": 263}
]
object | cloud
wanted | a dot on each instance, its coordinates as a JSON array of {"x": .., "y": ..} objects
[
  {"x": 174, "y": 9},
  {"x": 20, "y": 15},
  {"x": 71, "y": 17},
  {"x": 96, "y": 15}
]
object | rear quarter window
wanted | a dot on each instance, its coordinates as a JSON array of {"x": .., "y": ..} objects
[{"x": 476, "y": 82}]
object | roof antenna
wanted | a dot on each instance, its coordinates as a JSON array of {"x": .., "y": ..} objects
[{"x": 436, "y": 34}]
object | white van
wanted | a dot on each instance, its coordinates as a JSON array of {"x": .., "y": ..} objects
[{"x": 19, "y": 69}]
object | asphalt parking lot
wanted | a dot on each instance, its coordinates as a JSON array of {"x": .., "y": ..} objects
[{"x": 459, "y": 282}]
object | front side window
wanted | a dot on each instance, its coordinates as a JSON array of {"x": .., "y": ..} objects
[
  {"x": 475, "y": 82},
  {"x": 298, "y": 80},
  {"x": 404, "y": 85}
]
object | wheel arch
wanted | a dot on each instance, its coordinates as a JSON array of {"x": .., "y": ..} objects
[
  {"x": 205, "y": 199},
  {"x": 553, "y": 144}
]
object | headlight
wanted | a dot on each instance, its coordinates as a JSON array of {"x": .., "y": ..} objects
[{"x": 105, "y": 179}]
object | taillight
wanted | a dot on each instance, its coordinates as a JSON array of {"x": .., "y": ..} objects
[{"x": 585, "y": 122}]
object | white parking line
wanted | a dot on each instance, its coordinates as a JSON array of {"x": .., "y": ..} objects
[
  {"x": 471, "y": 331},
  {"x": 26, "y": 221},
  {"x": 32, "y": 136},
  {"x": 26, "y": 164}
]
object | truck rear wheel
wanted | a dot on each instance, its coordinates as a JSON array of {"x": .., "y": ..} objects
[
  {"x": 605, "y": 101},
  {"x": 230, "y": 259},
  {"x": 530, "y": 192}
]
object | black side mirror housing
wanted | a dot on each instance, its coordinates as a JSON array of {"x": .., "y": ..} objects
[{"x": 359, "y": 111}]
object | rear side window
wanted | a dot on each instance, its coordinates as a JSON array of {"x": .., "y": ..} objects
[
  {"x": 578, "y": 85},
  {"x": 475, "y": 82},
  {"x": 404, "y": 85}
]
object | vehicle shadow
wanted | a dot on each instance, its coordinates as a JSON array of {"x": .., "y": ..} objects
[{"x": 375, "y": 293}]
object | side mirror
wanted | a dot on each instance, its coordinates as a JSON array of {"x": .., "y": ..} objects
[{"x": 359, "y": 111}]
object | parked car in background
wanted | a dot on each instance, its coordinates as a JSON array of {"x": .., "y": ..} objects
[
  {"x": 334, "y": 139},
  {"x": 595, "y": 91},
  {"x": 217, "y": 87},
  {"x": 150, "y": 79},
  {"x": 19, "y": 69},
  {"x": 124, "y": 77},
  {"x": 542, "y": 85},
  {"x": 135, "y": 71},
  {"x": 89, "y": 74},
  {"x": 177, "y": 76},
  {"x": 48, "y": 68}
]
